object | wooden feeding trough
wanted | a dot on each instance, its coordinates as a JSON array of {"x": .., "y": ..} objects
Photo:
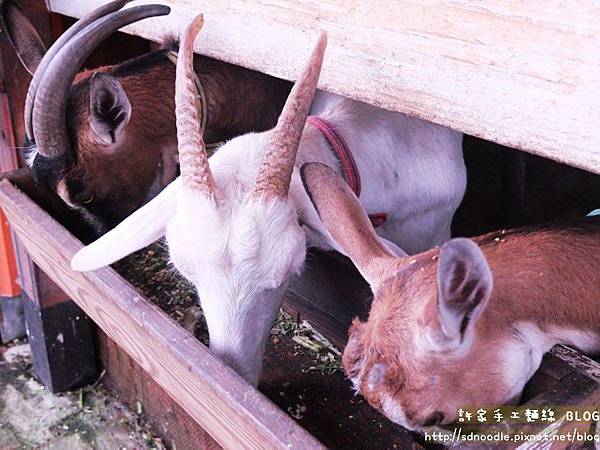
[
  {"x": 214, "y": 404},
  {"x": 465, "y": 67}
]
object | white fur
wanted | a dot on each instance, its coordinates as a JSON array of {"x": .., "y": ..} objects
[
  {"x": 376, "y": 376},
  {"x": 30, "y": 156},
  {"x": 143, "y": 227},
  {"x": 240, "y": 273},
  {"x": 586, "y": 341},
  {"x": 393, "y": 411},
  {"x": 523, "y": 356},
  {"x": 240, "y": 252}
]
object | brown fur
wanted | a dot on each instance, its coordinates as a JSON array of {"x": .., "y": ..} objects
[
  {"x": 239, "y": 101},
  {"x": 548, "y": 276}
]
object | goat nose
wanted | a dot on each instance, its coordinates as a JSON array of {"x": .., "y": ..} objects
[{"x": 434, "y": 419}]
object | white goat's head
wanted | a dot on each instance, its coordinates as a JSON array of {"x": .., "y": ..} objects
[{"x": 235, "y": 235}]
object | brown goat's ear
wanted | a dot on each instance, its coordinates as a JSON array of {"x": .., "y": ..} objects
[
  {"x": 346, "y": 220},
  {"x": 22, "y": 35},
  {"x": 465, "y": 285},
  {"x": 110, "y": 109}
]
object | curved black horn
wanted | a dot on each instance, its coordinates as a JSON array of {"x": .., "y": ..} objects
[
  {"x": 55, "y": 48},
  {"x": 49, "y": 110}
]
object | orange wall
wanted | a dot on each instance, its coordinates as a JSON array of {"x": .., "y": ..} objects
[{"x": 8, "y": 267}]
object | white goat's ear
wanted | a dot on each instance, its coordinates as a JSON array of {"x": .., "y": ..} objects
[
  {"x": 465, "y": 285},
  {"x": 346, "y": 220},
  {"x": 140, "y": 229},
  {"x": 110, "y": 109}
]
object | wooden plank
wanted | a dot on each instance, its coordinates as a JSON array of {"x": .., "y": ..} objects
[
  {"x": 59, "y": 332},
  {"x": 524, "y": 74},
  {"x": 329, "y": 294},
  {"x": 132, "y": 385},
  {"x": 232, "y": 411},
  {"x": 578, "y": 361},
  {"x": 62, "y": 343}
]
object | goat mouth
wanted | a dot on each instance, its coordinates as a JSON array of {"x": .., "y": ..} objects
[
  {"x": 232, "y": 362},
  {"x": 437, "y": 418},
  {"x": 47, "y": 171}
]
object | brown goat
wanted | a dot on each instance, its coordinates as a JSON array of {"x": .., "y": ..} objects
[
  {"x": 465, "y": 324},
  {"x": 105, "y": 140}
]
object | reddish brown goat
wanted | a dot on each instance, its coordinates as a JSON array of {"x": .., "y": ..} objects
[
  {"x": 466, "y": 324},
  {"x": 105, "y": 140}
]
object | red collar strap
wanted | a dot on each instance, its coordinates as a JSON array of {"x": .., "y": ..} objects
[{"x": 342, "y": 152}]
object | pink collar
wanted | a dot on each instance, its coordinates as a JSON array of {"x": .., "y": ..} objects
[{"x": 349, "y": 168}]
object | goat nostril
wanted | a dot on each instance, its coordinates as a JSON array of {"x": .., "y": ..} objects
[{"x": 435, "y": 419}]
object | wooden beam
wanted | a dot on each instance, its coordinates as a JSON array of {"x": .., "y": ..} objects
[
  {"x": 133, "y": 386},
  {"x": 523, "y": 74},
  {"x": 329, "y": 293},
  {"x": 578, "y": 361},
  {"x": 234, "y": 413},
  {"x": 59, "y": 332}
]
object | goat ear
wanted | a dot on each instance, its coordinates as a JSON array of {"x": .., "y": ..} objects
[
  {"x": 110, "y": 109},
  {"x": 140, "y": 229},
  {"x": 465, "y": 285},
  {"x": 22, "y": 35},
  {"x": 346, "y": 220}
]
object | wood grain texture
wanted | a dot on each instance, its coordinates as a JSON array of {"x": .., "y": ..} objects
[
  {"x": 235, "y": 414},
  {"x": 126, "y": 379},
  {"x": 525, "y": 74},
  {"x": 329, "y": 293}
]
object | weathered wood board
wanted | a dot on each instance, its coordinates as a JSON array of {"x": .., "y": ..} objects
[
  {"x": 525, "y": 74},
  {"x": 133, "y": 386},
  {"x": 234, "y": 413}
]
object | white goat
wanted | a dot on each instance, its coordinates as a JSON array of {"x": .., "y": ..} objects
[{"x": 239, "y": 228}]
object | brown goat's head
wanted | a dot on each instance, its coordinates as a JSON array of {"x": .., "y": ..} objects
[
  {"x": 96, "y": 138},
  {"x": 420, "y": 356},
  {"x": 417, "y": 359}
]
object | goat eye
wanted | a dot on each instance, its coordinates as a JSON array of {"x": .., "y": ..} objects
[
  {"x": 87, "y": 199},
  {"x": 435, "y": 419}
]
